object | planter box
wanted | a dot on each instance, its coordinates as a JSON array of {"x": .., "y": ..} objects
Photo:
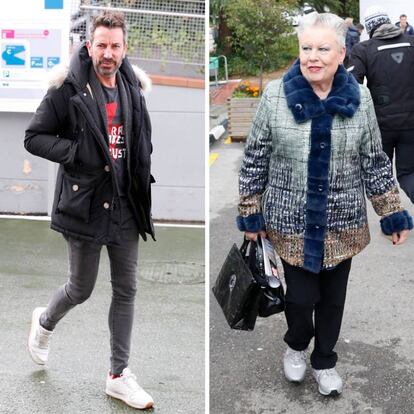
[{"x": 240, "y": 113}]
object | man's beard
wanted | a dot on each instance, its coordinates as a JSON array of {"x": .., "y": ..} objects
[{"x": 109, "y": 71}]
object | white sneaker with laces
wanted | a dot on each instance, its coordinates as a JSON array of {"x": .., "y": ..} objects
[
  {"x": 39, "y": 339},
  {"x": 126, "y": 388},
  {"x": 329, "y": 381},
  {"x": 294, "y": 365}
]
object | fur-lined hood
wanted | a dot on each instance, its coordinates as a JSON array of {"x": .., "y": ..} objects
[{"x": 60, "y": 73}]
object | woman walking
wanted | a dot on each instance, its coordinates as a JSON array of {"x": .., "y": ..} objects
[{"x": 313, "y": 151}]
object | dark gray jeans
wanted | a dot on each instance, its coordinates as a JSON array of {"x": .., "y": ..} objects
[{"x": 83, "y": 270}]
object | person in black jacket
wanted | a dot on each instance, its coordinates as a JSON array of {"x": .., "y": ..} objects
[
  {"x": 352, "y": 38},
  {"x": 404, "y": 25},
  {"x": 93, "y": 121},
  {"x": 386, "y": 60}
]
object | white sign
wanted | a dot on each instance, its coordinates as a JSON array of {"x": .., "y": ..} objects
[{"x": 29, "y": 50}]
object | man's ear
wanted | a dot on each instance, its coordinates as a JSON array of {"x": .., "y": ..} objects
[
  {"x": 125, "y": 50},
  {"x": 89, "y": 46}
]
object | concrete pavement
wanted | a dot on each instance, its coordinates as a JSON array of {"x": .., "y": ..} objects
[
  {"x": 375, "y": 347},
  {"x": 168, "y": 336}
]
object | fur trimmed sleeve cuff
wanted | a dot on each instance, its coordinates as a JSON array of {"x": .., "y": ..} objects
[
  {"x": 253, "y": 223},
  {"x": 396, "y": 222}
]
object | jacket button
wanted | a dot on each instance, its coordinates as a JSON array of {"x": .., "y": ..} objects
[
  {"x": 106, "y": 205},
  {"x": 320, "y": 187},
  {"x": 75, "y": 187},
  {"x": 322, "y": 145},
  {"x": 107, "y": 168},
  {"x": 316, "y": 226},
  {"x": 85, "y": 94},
  {"x": 298, "y": 107}
]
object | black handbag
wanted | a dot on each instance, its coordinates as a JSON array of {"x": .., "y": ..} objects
[
  {"x": 236, "y": 289},
  {"x": 243, "y": 290}
]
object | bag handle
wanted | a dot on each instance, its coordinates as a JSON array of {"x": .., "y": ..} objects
[{"x": 244, "y": 246}]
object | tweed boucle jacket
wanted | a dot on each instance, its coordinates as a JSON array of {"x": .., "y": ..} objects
[{"x": 306, "y": 167}]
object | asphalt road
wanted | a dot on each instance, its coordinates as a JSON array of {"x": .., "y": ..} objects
[
  {"x": 168, "y": 337},
  {"x": 376, "y": 360}
]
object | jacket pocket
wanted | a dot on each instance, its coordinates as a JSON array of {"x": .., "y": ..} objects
[{"x": 75, "y": 197}]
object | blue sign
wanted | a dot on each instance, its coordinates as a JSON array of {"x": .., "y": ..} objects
[
  {"x": 9, "y": 55},
  {"x": 53, "y": 4},
  {"x": 36, "y": 62},
  {"x": 52, "y": 61}
]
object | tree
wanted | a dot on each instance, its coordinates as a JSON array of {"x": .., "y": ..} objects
[
  {"x": 322, "y": 6},
  {"x": 343, "y": 8},
  {"x": 350, "y": 8},
  {"x": 217, "y": 10},
  {"x": 259, "y": 28},
  {"x": 218, "y": 20}
]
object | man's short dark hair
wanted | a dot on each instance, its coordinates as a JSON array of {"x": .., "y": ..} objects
[
  {"x": 110, "y": 19},
  {"x": 403, "y": 15}
]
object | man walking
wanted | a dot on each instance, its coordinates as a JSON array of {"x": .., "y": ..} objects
[
  {"x": 93, "y": 121},
  {"x": 404, "y": 26},
  {"x": 386, "y": 60}
]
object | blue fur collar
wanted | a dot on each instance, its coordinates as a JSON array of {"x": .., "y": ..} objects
[{"x": 343, "y": 99}]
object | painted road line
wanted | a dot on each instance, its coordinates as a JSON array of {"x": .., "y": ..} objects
[
  {"x": 187, "y": 226},
  {"x": 47, "y": 218},
  {"x": 19, "y": 217},
  {"x": 212, "y": 158}
]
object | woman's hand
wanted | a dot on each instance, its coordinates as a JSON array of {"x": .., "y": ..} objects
[
  {"x": 400, "y": 237},
  {"x": 253, "y": 236}
]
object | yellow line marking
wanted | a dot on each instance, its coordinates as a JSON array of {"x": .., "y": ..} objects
[
  {"x": 213, "y": 156},
  {"x": 228, "y": 140}
]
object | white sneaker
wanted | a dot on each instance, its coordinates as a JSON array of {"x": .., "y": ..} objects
[
  {"x": 294, "y": 365},
  {"x": 39, "y": 338},
  {"x": 126, "y": 388},
  {"x": 329, "y": 381}
]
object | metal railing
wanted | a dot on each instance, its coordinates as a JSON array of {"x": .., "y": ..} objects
[{"x": 163, "y": 34}]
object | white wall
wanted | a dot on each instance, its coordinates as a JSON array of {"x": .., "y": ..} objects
[
  {"x": 177, "y": 115},
  {"x": 23, "y": 177}
]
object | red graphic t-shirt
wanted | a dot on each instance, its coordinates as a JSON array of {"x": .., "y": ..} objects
[{"x": 116, "y": 135}]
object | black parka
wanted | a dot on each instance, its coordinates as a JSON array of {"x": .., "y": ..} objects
[
  {"x": 388, "y": 65},
  {"x": 67, "y": 128}
]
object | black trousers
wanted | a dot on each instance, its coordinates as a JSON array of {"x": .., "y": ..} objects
[
  {"x": 322, "y": 295},
  {"x": 402, "y": 143}
]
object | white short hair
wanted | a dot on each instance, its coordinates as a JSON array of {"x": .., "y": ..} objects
[{"x": 330, "y": 20}]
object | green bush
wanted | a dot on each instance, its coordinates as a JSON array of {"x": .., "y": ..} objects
[{"x": 240, "y": 65}]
